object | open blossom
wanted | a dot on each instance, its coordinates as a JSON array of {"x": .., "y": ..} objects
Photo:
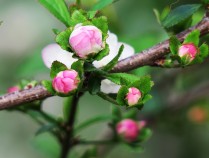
[
  {"x": 86, "y": 40},
  {"x": 13, "y": 89},
  {"x": 66, "y": 81},
  {"x": 188, "y": 50},
  {"x": 54, "y": 52},
  {"x": 133, "y": 96}
]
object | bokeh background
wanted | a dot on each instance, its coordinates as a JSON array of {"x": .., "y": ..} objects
[{"x": 177, "y": 132}]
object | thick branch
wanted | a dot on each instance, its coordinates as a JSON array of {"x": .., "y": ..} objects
[
  {"x": 149, "y": 56},
  {"x": 146, "y": 57}
]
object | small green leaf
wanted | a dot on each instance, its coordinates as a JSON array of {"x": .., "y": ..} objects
[
  {"x": 102, "y": 4},
  {"x": 48, "y": 85},
  {"x": 144, "y": 84},
  {"x": 145, "y": 134},
  {"x": 45, "y": 128},
  {"x": 157, "y": 15},
  {"x": 146, "y": 98},
  {"x": 203, "y": 50},
  {"x": 56, "y": 68},
  {"x": 1, "y": 22},
  {"x": 103, "y": 53},
  {"x": 78, "y": 66},
  {"x": 121, "y": 95},
  {"x": 63, "y": 39},
  {"x": 180, "y": 14},
  {"x": 126, "y": 78},
  {"x": 59, "y": 9},
  {"x": 165, "y": 13},
  {"x": 94, "y": 84},
  {"x": 114, "y": 61},
  {"x": 193, "y": 37},
  {"x": 56, "y": 31},
  {"x": 101, "y": 23},
  {"x": 77, "y": 17},
  {"x": 174, "y": 45},
  {"x": 107, "y": 97}
]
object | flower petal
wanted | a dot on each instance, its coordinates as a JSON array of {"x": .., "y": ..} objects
[{"x": 53, "y": 52}]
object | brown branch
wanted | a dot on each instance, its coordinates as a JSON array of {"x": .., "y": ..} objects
[{"x": 146, "y": 57}]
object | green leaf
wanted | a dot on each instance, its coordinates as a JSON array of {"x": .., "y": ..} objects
[
  {"x": 193, "y": 37},
  {"x": 56, "y": 68},
  {"x": 146, "y": 98},
  {"x": 63, "y": 39},
  {"x": 144, "y": 84},
  {"x": 1, "y": 22},
  {"x": 67, "y": 107},
  {"x": 77, "y": 17},
  {"x": 203, "y": 50},
  {"x": 94, "y": 84},
  {"x": 46, "y": 128},
  {"x": 94, "y": 120},
  {"x": 165, "y": 13},
  {"x": 174, "y": 45},
  {"x": 59, "y": 9},
  {"x": 145, "y": 134},
  {"x": 114, "y": 61},
  {"x": 48, "y": 85},
  {"x": 56, "y": 31},
  {"x": 107, "y": 97},
  {"x": 79, "y": 67},
  {"x": 103, "y": 53},
  {"x": 180, "y": 14},
  {"x": 101, "y": 23},
  {"x": 121, "y": 95},
  {"x": 126, "y": 78},
  {"x": 157, "y": 15},
  {"x": 101, "y": 4}
]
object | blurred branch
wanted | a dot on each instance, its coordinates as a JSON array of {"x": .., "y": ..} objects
[
  {"x": 146, "y": 57},
  {"x": 25, "y": 96}
]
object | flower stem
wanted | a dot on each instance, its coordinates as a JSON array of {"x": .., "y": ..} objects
[{"x": 68, "y": 133}]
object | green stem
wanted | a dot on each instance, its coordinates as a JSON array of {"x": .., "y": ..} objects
[{"x": 68, "y": 134}]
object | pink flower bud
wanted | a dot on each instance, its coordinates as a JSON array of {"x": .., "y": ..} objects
[
  {"x": 66, "y": 81},
  {"x": 13, "y": 89},
  {"x": 188, "y": 50},
  {"x": 86, "y": 40},
  {"x": 133, "y": 96},
  {"x": 128, "y": 130}
]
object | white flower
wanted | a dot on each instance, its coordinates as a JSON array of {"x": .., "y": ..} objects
[{"x": 54, "y": 52}]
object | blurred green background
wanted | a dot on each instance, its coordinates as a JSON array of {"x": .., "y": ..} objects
[{"x": 27, "y": 28}]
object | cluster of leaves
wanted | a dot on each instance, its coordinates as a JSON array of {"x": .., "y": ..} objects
[
  {"x": 192, "y": 38},
  {"x": 178, "y": 19}
]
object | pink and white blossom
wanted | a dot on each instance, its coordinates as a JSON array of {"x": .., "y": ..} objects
[
  {"x": 133, "y": 96},
  {"x": 66, "y": 81},
  {"x": 13, "y": 89},
  {"x": 128, "y": 129},
  {"x": 86, "y": 40},
  {"x": 54, "y": 52},
  {"x": 188, "y": 50}
]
